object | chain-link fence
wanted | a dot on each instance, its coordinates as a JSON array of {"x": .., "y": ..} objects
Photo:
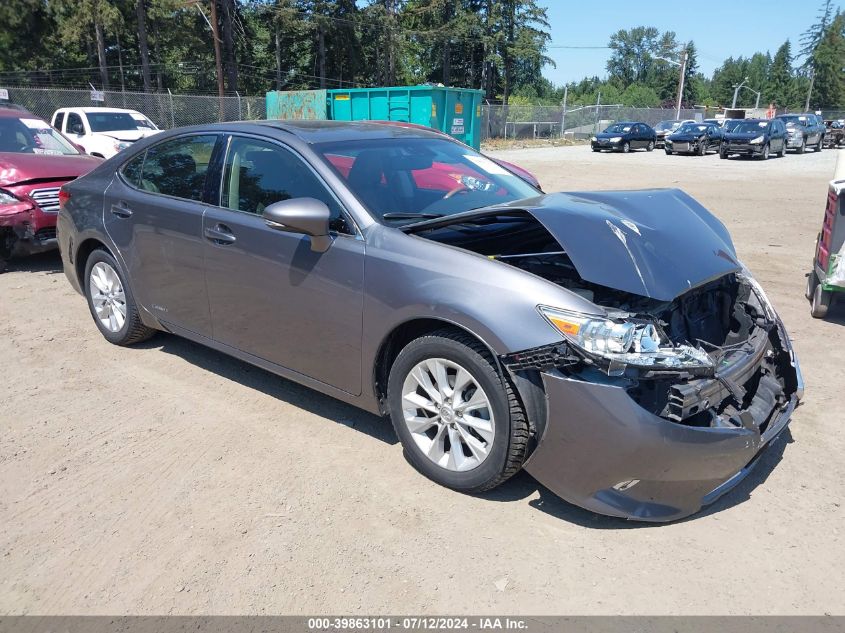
[
  {"x": 533, "y": 122},
  {"x": 165, "y": 109}
]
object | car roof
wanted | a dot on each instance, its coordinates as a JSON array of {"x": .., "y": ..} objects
[
  {"x": 333, "y": 131},
  {"x": 16, "y": 113},
  {"x": 95, "y": 109}
]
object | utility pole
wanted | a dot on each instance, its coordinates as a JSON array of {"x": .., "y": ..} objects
[
  {"x": 810, "y": 90},
  {"x": 278, "y": 60},
  {"x": 681, "y": 80},
  {"x": 563, "y": 113},
  {"x": 736, "y": 92},
  {"x": 218, "y": 62}
]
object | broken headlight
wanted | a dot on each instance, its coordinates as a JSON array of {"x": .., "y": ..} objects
[{"x": 624, "y": 342}]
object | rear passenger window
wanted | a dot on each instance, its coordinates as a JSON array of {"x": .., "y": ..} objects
[
  {"x": 131, "y": 171},
  {"x": 178, "y": 167}
]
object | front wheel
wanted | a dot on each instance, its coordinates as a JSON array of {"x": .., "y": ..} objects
[
  {"x": 650, "y": 146},
  {"x": 668, "y": 152},
  {"x": 458, "y": 418},
  {"x": 626, "y": 147},
  {"x": 820, "y": 146},
  {"x": 782, "y": 151},
  {"x": 820, "y": 302},
  {"x": 765, "y": 154},
  {"x": 802, "y": 148},
  {"x": 111, "y": 301},
  {"x": 723, "y": 154}
]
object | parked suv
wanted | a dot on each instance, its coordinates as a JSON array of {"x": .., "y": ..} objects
[
  {"x": 35, "y": 160},
  {"x": 803, "y": 131},
  {"x": 755, "y": 137},
  {"x": 103, "y": 132}
]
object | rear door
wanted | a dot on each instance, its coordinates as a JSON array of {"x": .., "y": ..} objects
[
  {"x": 271, "y": 296},
  {"x": 153, "y": 214}
]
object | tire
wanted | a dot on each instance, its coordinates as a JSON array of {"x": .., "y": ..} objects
[
  {"x": 820, "y": 146},
  {"x": 723, "y": 154},
  {"x": 131, "y": 330},
  {"x": 505, "y": 450},
  {"x": 626, "y": 147},
  {"x": 820, "y": 302},
  {"x": 650, "y": 146},
  {"x": 802, "y": 148},
  {"x": 782, "y": 151},
  {"x": 812, "y": 282},
  {"x": 668, "y": 152},
  {"x": 702, "y": 147},
  {"x": 596, "y": 149},
  {"x": 765, "y": 154}
]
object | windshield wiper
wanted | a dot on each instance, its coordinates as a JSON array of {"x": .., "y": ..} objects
[{"x": 401, "y": 215}]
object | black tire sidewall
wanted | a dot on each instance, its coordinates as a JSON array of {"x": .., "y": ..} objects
[
  {"x": 122, "y": 335},
  {"x": 485, "y": 375}
]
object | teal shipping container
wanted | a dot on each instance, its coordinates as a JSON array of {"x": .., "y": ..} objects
[
  {"x": 296, "y": 104},
  {"x": 455, "y": 111}
]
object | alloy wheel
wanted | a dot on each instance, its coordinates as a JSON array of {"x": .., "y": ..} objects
[
  {"x": 448, "y": 414},
  {"x": 108, "y": 297}
]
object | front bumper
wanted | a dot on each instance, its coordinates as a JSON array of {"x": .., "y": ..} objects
[
  {"x": 794, "y": 142},
  {"x": 602, "y": 144},
  {"x": 745, "y": 149},
  {"x": 604, "y": 452}
]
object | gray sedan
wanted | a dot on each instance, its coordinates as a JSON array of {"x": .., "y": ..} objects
[{"x": 609, "y": 342}]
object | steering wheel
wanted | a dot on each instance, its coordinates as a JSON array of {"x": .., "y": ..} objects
[{"x": 454, "y": 191}]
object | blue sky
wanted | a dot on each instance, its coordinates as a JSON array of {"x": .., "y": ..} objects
[{"x": 723, "y": 29}]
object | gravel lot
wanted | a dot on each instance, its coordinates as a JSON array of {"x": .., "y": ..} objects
[{"x": 169, "y": 478}]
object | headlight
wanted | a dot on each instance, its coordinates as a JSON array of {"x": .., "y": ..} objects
[
  {"x": 615, "y": 139},
  {"x": 593, "y": 139},
  {"x": 756, "y": 141},
  {"x": 623, "y": 342},
  {"x": 7, "y": 198}
]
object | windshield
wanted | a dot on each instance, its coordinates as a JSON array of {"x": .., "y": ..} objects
[
  {"x": 619, "y": 128},
  {"x": 664, "y": 126},
  {"x": 143, "y": 123},
  {"x": 751, "y": 127},
  {"x": 111, "y": 121},
  {"x": 794, "y": 119},
  {"x": 692, "y": 128},
  {"x": 32, "y": 136},
  {"x": 404, "y": 180},
  {"x": 731, "y": 124}
]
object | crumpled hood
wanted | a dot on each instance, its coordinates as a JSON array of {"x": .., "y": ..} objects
[
  {"x": 18, "y": 167},
  {"x": 127, "y": 135},
  {"x": 656, "y": 242},
  {"x": 686, "y": 137}
]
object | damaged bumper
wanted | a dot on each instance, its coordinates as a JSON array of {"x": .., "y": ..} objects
[
  {"x": 604, "y": 452},
  {"x": 26, "y": 230}
]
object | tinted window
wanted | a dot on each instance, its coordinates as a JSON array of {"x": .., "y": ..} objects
[
  {"x": 110, "y": 121},
  {"x": 60, "y": 118},
  {"x": 257, "y": 173},
  {"x": 74, "y": 123},
  {"x": 178, "y": 167},
  {"x": 132, "y": 170}
]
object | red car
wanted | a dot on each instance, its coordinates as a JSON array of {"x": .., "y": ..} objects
[{"x": 35, "y": 161}]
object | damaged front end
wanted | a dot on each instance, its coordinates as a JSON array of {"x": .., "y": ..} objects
[{"x": 662, "y": 399}]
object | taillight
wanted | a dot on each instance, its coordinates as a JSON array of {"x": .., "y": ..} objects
[{"x": 64, "y": 196}]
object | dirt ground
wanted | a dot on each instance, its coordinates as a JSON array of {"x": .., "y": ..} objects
[{"x": 169, "y": 478}]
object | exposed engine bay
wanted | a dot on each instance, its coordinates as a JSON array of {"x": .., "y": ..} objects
[{"x": 714, "y": 356}]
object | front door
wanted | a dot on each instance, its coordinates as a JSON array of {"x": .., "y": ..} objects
[
  {"x": 270, "y": 294},
  {"x": 153, "y": 214}
]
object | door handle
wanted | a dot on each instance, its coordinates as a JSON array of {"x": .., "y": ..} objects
[
  {"x": 121, "y": 210},
  {"x": 219, "y": 234}
]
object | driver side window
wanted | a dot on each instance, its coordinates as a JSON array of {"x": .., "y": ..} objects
[
  {"x": 258, "y": 173},
  {"x": 74, "y": 124}
]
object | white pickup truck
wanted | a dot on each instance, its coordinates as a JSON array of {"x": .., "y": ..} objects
[{"x": 102, "y": 131}]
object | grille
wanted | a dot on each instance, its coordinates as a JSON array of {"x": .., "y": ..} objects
[
  {"x": 546, "y": 357},
  {"x": 47, "y": 199},
  {"x": 680, "y": 147},
  {"x": 48, "y": 233}
]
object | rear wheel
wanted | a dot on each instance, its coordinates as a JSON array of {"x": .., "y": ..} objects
[
  {"x": 111, "y": 301},
  {"x": 812, "y": 282},
  {"x": 650, "y": 146},
  {"x": 458, "y": 418}
]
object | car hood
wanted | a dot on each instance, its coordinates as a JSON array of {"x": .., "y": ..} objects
[
  {"x": 685, "y": 137},
  {"x": 611, "y": 134},
  {"x": 658, "y": 243},
  {"x": 742, "y": 136},
  {"x": 127, "y": 135},
  {"x": 16, "y": 168}
]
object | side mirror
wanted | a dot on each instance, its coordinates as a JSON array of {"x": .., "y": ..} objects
[{"x": 307, "y": 216}]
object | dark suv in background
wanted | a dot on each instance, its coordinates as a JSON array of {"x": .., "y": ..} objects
[
  {"x": 755, "y": 137},
  {"x": 803, "y": 131}
]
